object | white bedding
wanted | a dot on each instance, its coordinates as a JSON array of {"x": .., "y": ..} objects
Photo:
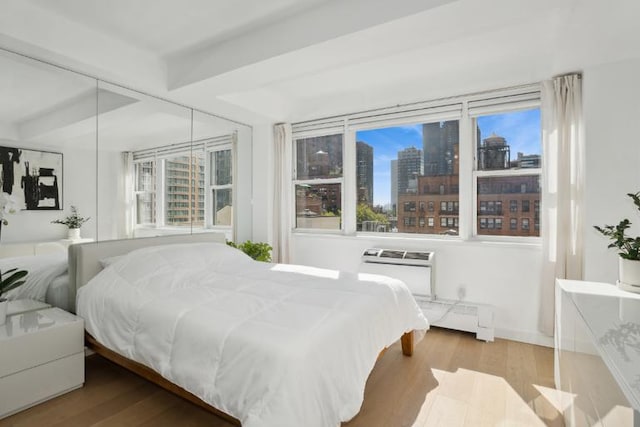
[
  {"x": 272, "y": 345},
  {"x": 43, "y": 270}
]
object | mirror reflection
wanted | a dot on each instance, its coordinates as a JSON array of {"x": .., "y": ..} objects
[{"x": 48, "y": 149}]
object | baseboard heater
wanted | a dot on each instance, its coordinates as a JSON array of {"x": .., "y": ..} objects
[{"x": 417, "y": 270}]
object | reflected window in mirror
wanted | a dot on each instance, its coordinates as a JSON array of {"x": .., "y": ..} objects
[
  {"x": 221, "y": 182},
  {"x": 185, "y": 185}
]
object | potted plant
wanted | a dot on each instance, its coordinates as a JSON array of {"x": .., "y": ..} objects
[
  {"x": 628, "y": 249},
  {"x": 256, "y": 250},
  {"x": 73, "y": 223},
  {"x": 10, "y": 279}
]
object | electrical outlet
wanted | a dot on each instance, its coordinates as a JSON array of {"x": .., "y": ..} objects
[{"x": 462, "y": 292}]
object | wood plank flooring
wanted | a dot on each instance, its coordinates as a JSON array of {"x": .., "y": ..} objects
[{"x": 451, "y": 380}]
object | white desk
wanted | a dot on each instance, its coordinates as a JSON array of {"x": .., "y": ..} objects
[
  {"x": 597, "y": 356},
  {"x": 41, "y": 356}
]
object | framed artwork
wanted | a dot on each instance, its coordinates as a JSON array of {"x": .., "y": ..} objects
[{"x": 33, "y": 177}]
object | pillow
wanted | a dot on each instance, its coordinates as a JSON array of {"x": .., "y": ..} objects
[{"x": 42, "y": 270}]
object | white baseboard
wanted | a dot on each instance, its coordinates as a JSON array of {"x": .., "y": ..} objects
[{"x": 525, "y": 336}]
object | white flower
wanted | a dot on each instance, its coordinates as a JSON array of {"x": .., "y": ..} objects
[{"x": 8, "y": 205}]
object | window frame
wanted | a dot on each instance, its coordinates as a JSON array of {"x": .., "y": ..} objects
[
  {"x": 478, "y": 174},
  {"x": 319, "y": 181},
  {"x": 207, "y": 146},
  {"x": 472, "y": 106}
]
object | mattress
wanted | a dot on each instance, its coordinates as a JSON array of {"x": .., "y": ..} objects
[{"x": 271, "y": 345}]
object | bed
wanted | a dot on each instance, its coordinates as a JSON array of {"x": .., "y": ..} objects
[
  {"x": 46, "y": 262},
  {"x": 259, "y": 344}
]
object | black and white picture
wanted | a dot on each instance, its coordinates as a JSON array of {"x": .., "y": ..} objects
[{"x": 33, "y": 177}]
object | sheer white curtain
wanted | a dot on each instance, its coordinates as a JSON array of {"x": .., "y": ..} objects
[
  {"x": 126, "y": 200},
  {"x": 282, "y": 149},
  {"x": 562, "y": 186}
]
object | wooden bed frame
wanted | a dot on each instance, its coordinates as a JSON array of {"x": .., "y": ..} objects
[
  {"x": 84, "y": 262},
  {"x": 149, "y": 374}
]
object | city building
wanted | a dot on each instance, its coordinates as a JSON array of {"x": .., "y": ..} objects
[
  {"x": 439, "y": 140},
  {"x": 394, "y": 185},
  {"x": 409, "y": 169},
  {"x": 493, "y": 153},
  {"x": 506, "y": 205},
  {"x": 364, "y": 173},
  {"x": 184, "y": 196}
]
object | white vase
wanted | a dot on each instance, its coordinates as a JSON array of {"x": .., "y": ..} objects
[
  {"x": 629, "y": 274},
  {"x": 3, "y": 311},
  {"x": 74, "y": 234}
]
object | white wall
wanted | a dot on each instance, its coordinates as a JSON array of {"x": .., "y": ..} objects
[
  {"x": 611, "y": 113},
  {"x": 505, "y": 276}
]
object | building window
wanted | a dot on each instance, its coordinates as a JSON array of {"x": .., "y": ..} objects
[
  {"x": 443, "y": 221},
  {"x": 421, "y": 222},
  {"x": 419, "y": 172},
  {"x": 430, "y": 221},
  {"x": 513, "y": 224},
  {"x": 513, "y": 206},
  {"x": 409, "y": 206},
  {"x": 525, "y": 206},
  {"x": 498, "y": 223},
  {"x": 483, "y": 223},
  {"x": 318, "y": 184}
]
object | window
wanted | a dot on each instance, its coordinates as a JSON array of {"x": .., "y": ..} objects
[
  {"x": 145, "y": 192},
  {"x": 386, "y": 170},
  {"x": 508, "y": 162},
  {"x": 525, "y": 224},
  {"x": 220, "y": 186},
  {"x": 318, "y": 184},
  {"x": 184, "y": 185},
  {"x": 416, "y": 172}
]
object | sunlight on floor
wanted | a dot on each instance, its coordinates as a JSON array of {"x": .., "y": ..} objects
[{"x": 471, "y": 398}]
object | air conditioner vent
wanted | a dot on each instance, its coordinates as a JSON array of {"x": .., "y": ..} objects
[
  {"x": 398, "y": 257},
  {"x": 418, "y": 255},
  {"x": 386, "y": 253}
]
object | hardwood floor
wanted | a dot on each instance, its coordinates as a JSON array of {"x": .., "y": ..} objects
[{"x": 451, "y": 380}]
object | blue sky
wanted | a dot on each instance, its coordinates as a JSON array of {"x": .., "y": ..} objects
[{"x": 521, "y": 130}]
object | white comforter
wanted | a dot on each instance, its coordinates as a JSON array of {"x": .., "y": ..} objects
[{"x": 272, "y": 345}]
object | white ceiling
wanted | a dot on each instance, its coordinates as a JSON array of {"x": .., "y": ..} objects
[{"x": 286, "y": 60}]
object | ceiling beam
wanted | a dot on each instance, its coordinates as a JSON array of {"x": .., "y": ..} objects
[{"x": 326, "y": 21}]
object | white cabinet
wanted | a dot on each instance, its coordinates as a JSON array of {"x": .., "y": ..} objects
[
  {"x": 597, "y": 354},
  {"x": 41, "y": 356}
]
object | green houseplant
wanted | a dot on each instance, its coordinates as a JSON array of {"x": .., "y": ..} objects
[
  {"x": 73, "y": 223},
  {"x": 628, "y": 249},
  {"x": 256, "y": 250},
  {"x": 9, "y": 280}
]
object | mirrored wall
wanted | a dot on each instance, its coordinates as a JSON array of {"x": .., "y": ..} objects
[{"x": 137, "y": 165}]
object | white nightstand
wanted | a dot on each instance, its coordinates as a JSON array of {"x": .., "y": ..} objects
[{"x": 41, "y": 356}]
